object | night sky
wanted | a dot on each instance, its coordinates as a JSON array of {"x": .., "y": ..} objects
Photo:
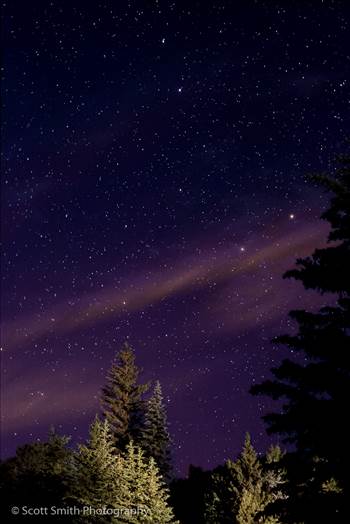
[{"x": 153, "y": 189}]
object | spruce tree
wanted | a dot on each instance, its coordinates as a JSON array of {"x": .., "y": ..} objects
[
  {"x": 315, "y": 384},
  {"x": 93, "y": 479},
  {"x": 122, "y": 401},
  {"x": 275, "y": 473},
  {"x": 155, "y": 439},
  {"x": 158, "y": 494},
  {"x": 126, "y": 484},
  {"x": 243, "y": 491},
  {"x": 148, "y": 495}
]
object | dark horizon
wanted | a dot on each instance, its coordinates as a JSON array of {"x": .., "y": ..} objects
[{"x": 154, "y": 190}]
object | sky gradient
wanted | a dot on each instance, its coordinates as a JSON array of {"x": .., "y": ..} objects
[{"x": 154, "y": 189}]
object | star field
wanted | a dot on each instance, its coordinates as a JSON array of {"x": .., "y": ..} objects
[{"x": 154, "y": 158}]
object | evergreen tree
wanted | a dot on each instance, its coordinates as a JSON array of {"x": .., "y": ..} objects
[
  {"x": 122, "y": 401},
  {"x": 315, "y": 384},
  {"x": 243, "y": 490},
  {"x": 158, "y": 494},
  {"x": 36, "y": 476},
  {"x": 276, "y": 481},
  {"x": 94, "y": 479},
  {"x": 148, "y": 496},
  {"x": 132, "y": 473},
  {"x": 126, "y": 484},
  {"x": 155, "y": 439}
]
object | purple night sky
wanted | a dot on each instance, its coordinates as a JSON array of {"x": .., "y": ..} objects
[{"x": 154, "y": 158}]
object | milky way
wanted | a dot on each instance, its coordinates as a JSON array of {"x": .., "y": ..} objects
[{"x": 154, "y": 189}]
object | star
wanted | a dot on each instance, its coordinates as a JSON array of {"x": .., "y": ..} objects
[{"x": 159, "y": 175}]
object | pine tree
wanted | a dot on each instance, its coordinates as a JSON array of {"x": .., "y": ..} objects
[
  {"x": 160, "y": 510},
  {"x": 315, "y": 384},
  {"x": 275, "y": 473},
  {"x": 93, "y": 479},
  {"x": 122, "y": 401},
  {"x": 243, "y": 490},
  {"x": 126, "y": 484},
  {"x": 275, "y": 486},
  {"x": 148, "y": 496},
  {"x": 132, "y": 473},
  {"x": 155, "y": 439}
]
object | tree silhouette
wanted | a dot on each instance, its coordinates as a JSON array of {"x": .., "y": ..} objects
[
  {"x": 315, "y": 385},
  {"x": 188, "y": 495},
  {"x": 122, "y": 401},
  {"x": 36, "y": 477}
]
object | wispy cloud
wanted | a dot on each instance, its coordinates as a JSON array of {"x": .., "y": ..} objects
[{"x": 201, "y": 272}]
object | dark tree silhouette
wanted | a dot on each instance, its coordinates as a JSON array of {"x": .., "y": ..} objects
[
  {"x": 122, "y": 401},
  {"x": 315, "y": 385},
  {"x": 188, "y": 496},
  {"x": 36, "y": 477}
]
